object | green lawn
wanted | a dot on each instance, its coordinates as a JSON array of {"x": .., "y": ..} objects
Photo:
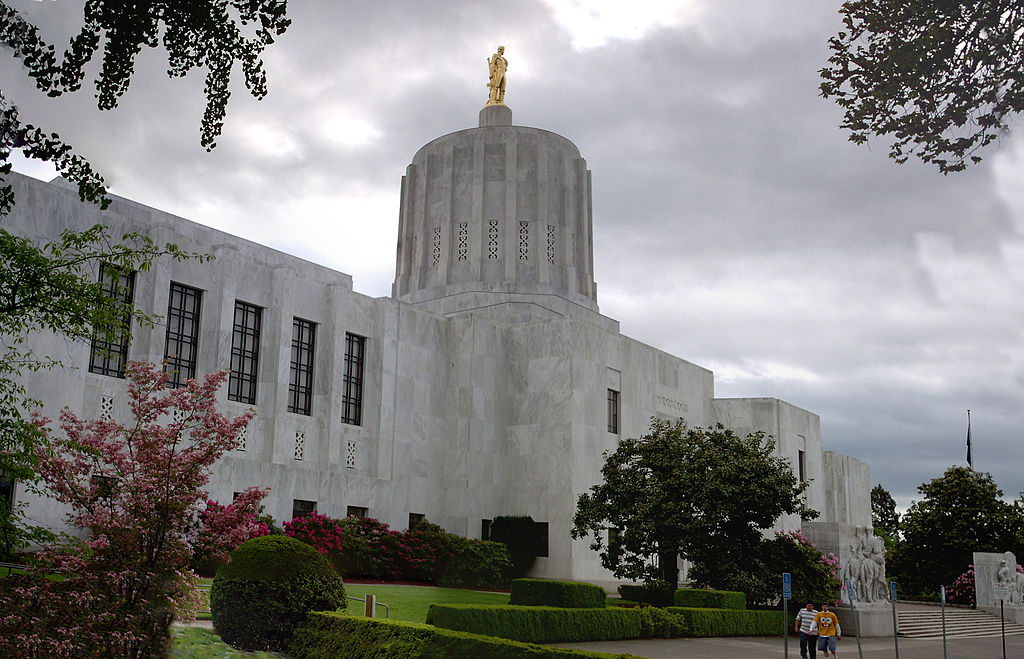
[
  {"x": 195, "y": 643},
  {"x": 411, "y": 602}
]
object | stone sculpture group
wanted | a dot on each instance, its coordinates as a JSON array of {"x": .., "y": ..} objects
[
  {"x": 865, "y": 567},
  {"x": 1011, "y": 579}
]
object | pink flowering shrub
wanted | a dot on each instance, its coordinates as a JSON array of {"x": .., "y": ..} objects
[
  {"x": 366, "y": 547},
  {"x": 223, "y": 529},
  {"x": 135, "y": 488},
  {"x": 372, "y": 548},
  {"x": 325, "y": 535},
  {"x": 961, "y": 591}
]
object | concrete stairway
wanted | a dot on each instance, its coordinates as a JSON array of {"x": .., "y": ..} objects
[{"x": 960, "y": 623}]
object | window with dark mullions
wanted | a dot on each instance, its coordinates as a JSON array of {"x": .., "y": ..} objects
[
  {"x": 109, "y": 352},
  {"x": 300, "y": 384},
  {"x": 352, "y": 393},
  {"x": 245, "y": 353},
  {"x": 302, "y": 507},
  {"x": 182, "y": 345},
  {"x": 613, "y": 411}
]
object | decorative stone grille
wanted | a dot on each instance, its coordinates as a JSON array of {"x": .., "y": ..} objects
[
  {"x": 492, "y": 239},
  {"x": 300, "y": 444},
  {"x": 106, "y": 407},
  {"x": 243, "y": 439},
  {"x": 463, "y": 247},
  {"x": 524, "y": 241},
  {"x": 437, "y": 246},
  {"x": 551, "y": 244},
  {"x": 350, "y": 456}
]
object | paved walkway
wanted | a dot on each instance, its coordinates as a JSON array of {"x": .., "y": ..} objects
[{"x": 755, "y": 647}]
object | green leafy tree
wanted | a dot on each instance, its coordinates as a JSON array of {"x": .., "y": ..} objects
[
  {"x": 204, "y": 34},
  {"x": 883, "y": 511},
  {"x": 813, "y": 573},
  {"x": 885, "y": 519},
  {"x": 53, "y": 286},
  {"x": 941, "y": 78},
  {"x": 962, "y": 512},
  {"x": 705, "y": 494}
]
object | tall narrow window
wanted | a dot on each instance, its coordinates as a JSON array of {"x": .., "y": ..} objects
[
  {"x": 6, "y": 492},
  {"x": 300, "y": 385},
  {"x": 352, "y": 394},
  {"x": 541, "y": 530},
  {"x": 245, "y": 353},
  {"x": 801, "y": 460},
  {"x": 613, "y": 411},
  {"x": 182, "y": 344},
  {"x": 109, "y": 351}
]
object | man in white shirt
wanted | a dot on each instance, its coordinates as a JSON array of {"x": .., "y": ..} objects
[{"x": 804, "y": 622}]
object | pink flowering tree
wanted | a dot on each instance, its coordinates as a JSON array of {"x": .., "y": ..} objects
[
  {"x": 135, "y": 488},
  {"x": 219, "y": 529}
]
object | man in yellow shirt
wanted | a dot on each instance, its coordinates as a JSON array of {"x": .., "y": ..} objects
[{"x": 828, "y": 631}]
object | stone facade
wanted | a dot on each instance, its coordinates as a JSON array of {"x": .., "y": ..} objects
[
  {"x": 490, "y": 382},
  {"x": 999, "y": 585}
]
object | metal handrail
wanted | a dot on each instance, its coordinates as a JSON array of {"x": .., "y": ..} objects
[
  {"x": 387, "y": 611},
  {"x": 207, "y": 587},
  {"x": 13, "y": 566}
]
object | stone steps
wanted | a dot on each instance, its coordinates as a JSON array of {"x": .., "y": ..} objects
[{"x": 960, "y": 623}]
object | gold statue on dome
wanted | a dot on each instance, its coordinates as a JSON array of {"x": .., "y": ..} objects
[{"x": 496, "y": 67}]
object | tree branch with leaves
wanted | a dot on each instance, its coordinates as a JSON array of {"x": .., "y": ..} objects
[{"x": 943, "y": 80}]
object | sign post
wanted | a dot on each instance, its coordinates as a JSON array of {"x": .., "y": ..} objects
[
  {"x": 787, "y": 594},
  {"x": 942, "y": 591},
  {"x": 1003, "y": 593},
  {"x": 895, "y": 623}
]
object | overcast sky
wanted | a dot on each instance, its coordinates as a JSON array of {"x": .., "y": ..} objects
[{"x": 734, "y": 224}]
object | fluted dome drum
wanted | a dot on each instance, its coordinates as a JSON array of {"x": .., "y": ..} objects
[{"x": 493, "y": 213}]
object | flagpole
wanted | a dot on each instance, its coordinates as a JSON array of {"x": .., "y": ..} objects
[{"x": 970, "y": 459}]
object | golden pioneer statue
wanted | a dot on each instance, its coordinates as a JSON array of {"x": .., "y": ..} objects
[{"x": 496, "y": 66}]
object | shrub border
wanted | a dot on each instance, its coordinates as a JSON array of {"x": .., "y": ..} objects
[
  {"x": 328, "y": 635},
  {"x": 549, "y": 592}
]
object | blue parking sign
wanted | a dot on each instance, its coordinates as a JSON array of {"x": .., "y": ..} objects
[{"x": 787, "y": 586}]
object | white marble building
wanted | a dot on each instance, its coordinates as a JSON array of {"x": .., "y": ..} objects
[{"x": 488, "y": 384}]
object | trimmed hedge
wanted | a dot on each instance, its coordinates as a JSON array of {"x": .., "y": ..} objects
[
  {"x": 727, "y": 622},
  {"x": 545, "y": 624},
  {"x": 328, "y": 635},
  {"x": 267, "y": 589},
  {"x": 538, "y": 624},
  {"x": 653, "y": 594},
  {"x": 710, "y": 599},
  {"x": 564, "y": 594},
  {"x": 473, "y": 563}
]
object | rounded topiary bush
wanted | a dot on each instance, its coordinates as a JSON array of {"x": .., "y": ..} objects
[{"x": 268, "y": 588}]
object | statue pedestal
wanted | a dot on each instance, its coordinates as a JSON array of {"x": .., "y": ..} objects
[
  {"x": 871, "y": 621},
  {"x": 496, "y": 115}
]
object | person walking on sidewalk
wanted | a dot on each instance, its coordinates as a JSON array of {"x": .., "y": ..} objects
[
  {"x": 829, "y": 632},
  {"x": 804, "y": 623}
]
